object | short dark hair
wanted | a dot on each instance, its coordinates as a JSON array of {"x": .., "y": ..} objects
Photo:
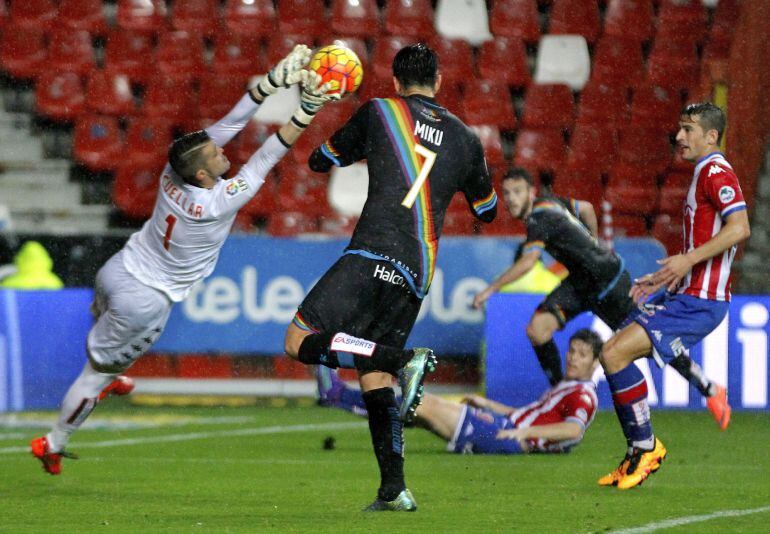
[
  {"x": 519, "y": 173},
  {"x": 184, "y": 154},
  {"x": 591, "y": 338},
  {"x": 416, "y": 65},
  {"x": 710, "y": 117}
]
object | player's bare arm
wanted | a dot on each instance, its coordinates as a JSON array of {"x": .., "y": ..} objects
[
  {"x": 587, "y": 214},
  {"x": 554, "y": 432},
  {"x": 477, "y": 401},
  {"x": 521, "y": 267}
]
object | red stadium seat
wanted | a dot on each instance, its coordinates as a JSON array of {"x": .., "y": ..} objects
[
  {"x": 147, "y": 142},
  {"x": 97, "y": 143},
  {"x": 412, "y": 18},
  {"x": 548, "y": 106},
  {"x": 455, "y": 57},
  {"x": 217, "y": 96},
  {"x": 385, "y": 49},
  {"x": 131, "y": 53},
  {"x": 171, "y": 101},
  {"x": 673, "y": 64},
  {"x": 135, "y": 190},
  {"x": 582, "y": 184},
  {"x": 33, "y": 14},
  {"x": 655, "y": 107},
  {"x": 249, "y": 140},
  {"x": 674, "y": 190},
  {"x": 504, "y": 60},
  {"x": 285, "y": 224},
  {"x": 3, "y": 15},
  {"x": 110, "y": 94},
  {"x": 237, "y": 57},
  {"x": 302, "y": 190},
  {"x": 602, "y": 104},
  {"x": 85, "y": 15},
  {"x": 250, "y": 17},
  {"x": 683, "y": 19},
  {"x": 179, "y": 56},
  {"x": 629, "y": 20},
  {"x": 59, "y": 96},
  {"x": 580, "y": 17},
  {"x": 503, "y": 225},
  {"x": 196, "y": 16},
  {"x": 515, "y": 19},
  {"x": 646, "y": 148},
  {"x": 71, "y": 51},
  {"x": 142, "y": 15},
  {"x": 23, "y": 53},
  {"x": 541, "y": 149},
  {"x": 458, "y": 223},
  {"x": 618, "y": 61},
  {"x": 357, "y": 18},
  {"x": 338, "y": 225},
  {"x": 632, "y": 190},
  {"x": 303, "y": 17},
  {"x": 492, "y": 144},
  {"x": 489, "y": 103},
  {"x": 625, "y": 225},
  {"x": 375, "y": 86},
  {"x": 668, "y": 230},
  {"x": 593, "y": 146},
  {"x": 449, "y": 96},
  {"x": 278, "y": 45}
]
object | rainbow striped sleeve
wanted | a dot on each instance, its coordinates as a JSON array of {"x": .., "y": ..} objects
[
  {"x": 302, "y": 324},
  {"x": 330, "y": 152},
  {"x": 486, "y": 203},
  {"x": 533, "y": 245},
  {"x": 546, "y": 205},
  {"x": 399, "y": 126}
]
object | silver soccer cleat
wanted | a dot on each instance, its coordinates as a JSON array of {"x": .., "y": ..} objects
[
  {"x": 403, "y": 503},
  {"x": 410, "y": 379}
]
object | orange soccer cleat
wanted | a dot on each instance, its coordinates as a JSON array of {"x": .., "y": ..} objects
[
  {"x": 122, "y": 385},
  {"x": 719, "y": 408},
  {"x": 612, "y": 478},
  {"x": 51, "y": 460},
  {"x": 642, "y": 464}
]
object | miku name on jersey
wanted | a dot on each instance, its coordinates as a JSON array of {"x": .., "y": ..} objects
[
  {"x": 427, "y": 133},
  {"x": 177, "y": 195}
]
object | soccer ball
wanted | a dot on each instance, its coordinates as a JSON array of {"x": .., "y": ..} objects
[{"x": 340, "y": 66}]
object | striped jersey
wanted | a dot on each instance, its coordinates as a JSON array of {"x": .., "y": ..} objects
[
  {"x": 568, "y": 401},
  {"x": 418, "y": 156},
  {"x": 713, "y": 195},
  {"x": 179, "y": 244}
]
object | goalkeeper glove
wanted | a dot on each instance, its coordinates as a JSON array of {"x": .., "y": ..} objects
[
  {"x": 313, "y": 97},
  {"x": 286, "y": 72}
]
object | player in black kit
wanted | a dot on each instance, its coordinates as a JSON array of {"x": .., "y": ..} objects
[
  {"x": 362, "y": 310},
  {"x": 597, "y": 280}
]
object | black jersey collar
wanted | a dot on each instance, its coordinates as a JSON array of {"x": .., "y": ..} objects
[{"x": 427, "y": 100}]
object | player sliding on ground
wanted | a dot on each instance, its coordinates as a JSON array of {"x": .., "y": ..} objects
[
  {"x": 177, "y": 247},
  {"x": 696, "y": 286},
  {"x": 556, "y": 422}
]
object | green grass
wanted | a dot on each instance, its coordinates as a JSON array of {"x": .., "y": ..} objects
[{"x": 286, "y": 482}]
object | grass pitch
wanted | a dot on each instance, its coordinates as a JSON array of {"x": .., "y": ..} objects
[{"x": 254, "y": 469}]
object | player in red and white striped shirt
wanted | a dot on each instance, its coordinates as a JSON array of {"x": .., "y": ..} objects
[
  {"x": 555, "y": 422},
  {"x": 696, "y": 284}
]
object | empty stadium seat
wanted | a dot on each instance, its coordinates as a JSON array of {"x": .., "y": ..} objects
[
  {"x": 250, "y": 17},
  {"x": 217, "y": 96},
  {"x": 458, "y": 223},
  {"x": 109, "y": 94},
  {"x": 579, "y": 17},
  {"x": 548, "y": 106},
  {"x": 142, "y": 15},
  {"x": 463, "y": 19},
  {"x": 249, "y": 140},
  {"x": 179, "y": 56},
  {"x": 134, "y": 190},
  {"x": 606, "y": 105},
  {"x": 668, "y": 230},
  {"x": 593, "y": 146},
  {"x": 303, "y": 190},
  {"x": 33, "y": 14},
  {"x": 411, "y": 18},
  {"x": 147, "y": 142},
  {"x": 97, "y": 142},
  {"x": 237, "y": 56},
  {"x": 71, "y": 51},
  {"x": 628, "y": 225},
  {"x": 85, "y": 15},
  {"x": 286, "y": 224},
  {"x": 682, "y": 19},
  {"x": 633, "y": 191},
  {"x": 489, "y": 103},
  {"x": 504, "y": 60},
  {"x": 618, "y": 61},
  {"x": 492, "y": 144},
  {"x": 541, "y": 149},
  {"x": 655, "y": 107},
  {"x": 629, "y": 20},
  {"x": 383, "y": 52},
  {"x": 673, "y": 192},
  {"x": 516, "y": 19},
  {"x": 303, "y": 17},
  {"x": 278, "y": 45},
  {"x": 171, "y": 101},
  {"x": 374, "y": 86},
  {"x": 563, "y": 59},
  {"x": 131, "y": 53},
  {"x": 673, "y": 64},
  {"x": 356, "y": 18},
  {"x": 583, "y": 184},
  {"x": 645, "y": 147},
  {"x": 455, "y": 57},
  {"x": 59, "y": 96},
  {"x": 23, "y": 53},
  {"x": 196, "y": 16}
]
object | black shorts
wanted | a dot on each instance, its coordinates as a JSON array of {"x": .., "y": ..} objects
[
  {"x": 571, "y": 299},
  {"x": 364, "y": 298}
]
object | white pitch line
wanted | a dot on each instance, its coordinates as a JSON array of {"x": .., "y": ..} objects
[
  {"x": 690, "y": 519},
  {"x": 204, "y": 435}
]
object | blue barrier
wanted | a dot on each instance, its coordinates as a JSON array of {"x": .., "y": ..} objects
[{"x": 735, "y": 354}]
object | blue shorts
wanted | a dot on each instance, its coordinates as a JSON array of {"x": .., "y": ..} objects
[
  {"x": 477, "y": 433},
  {"x": 676, "y": 322}
]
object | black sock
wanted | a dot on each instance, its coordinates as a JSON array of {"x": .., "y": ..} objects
[
  {"x": 387, "y": 432},
  {"x": 550, "y": 361},
  {"x": 316, "y": 350},
  {"x": 693, "y": 373}
]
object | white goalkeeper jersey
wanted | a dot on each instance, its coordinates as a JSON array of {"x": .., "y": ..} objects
[{"x": 179, "y": 245}]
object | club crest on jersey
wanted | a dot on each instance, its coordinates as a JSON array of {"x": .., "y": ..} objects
[
  {"x": 715, "y": 169},
  {"x": 726, "y": 193},
  {"x": 236, "y": 186}
]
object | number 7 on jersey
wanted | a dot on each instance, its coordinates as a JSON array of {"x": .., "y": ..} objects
[{"x": 430, "y": 159}]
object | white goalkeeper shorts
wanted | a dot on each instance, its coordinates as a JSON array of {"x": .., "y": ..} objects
[{"x": 129, "y": 315}]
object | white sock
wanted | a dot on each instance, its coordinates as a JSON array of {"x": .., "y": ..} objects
[{"x": 78, "y": 403}]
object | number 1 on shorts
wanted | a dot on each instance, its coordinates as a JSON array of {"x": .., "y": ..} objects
[{"x": 430, "y": 159}]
